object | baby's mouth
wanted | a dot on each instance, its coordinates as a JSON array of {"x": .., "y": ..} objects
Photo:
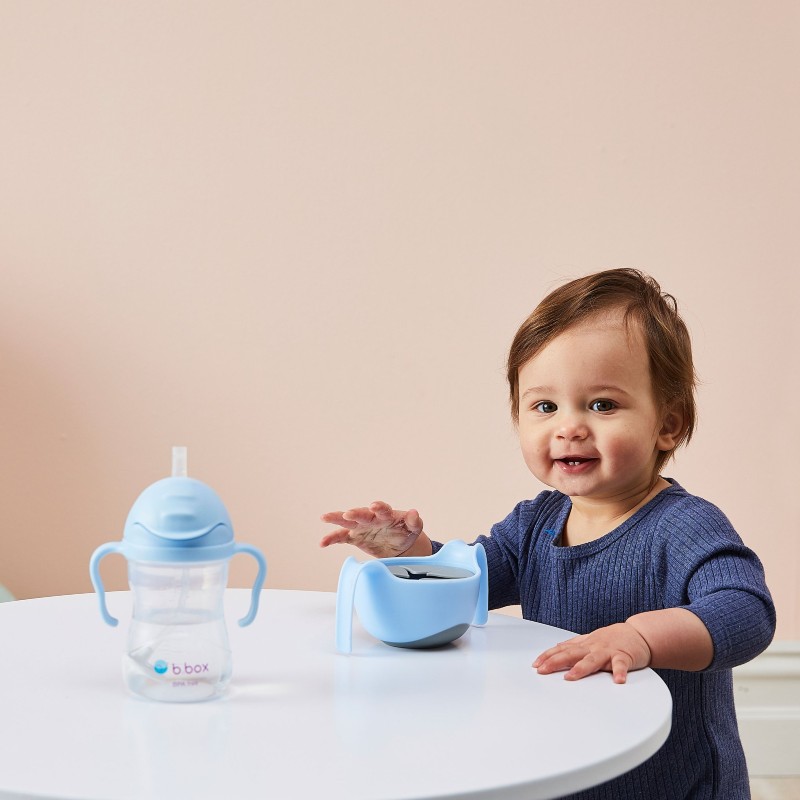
[{"x": 575, "y": 461}]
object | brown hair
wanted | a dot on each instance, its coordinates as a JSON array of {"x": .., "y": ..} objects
[{"x": 655, "y": 312}]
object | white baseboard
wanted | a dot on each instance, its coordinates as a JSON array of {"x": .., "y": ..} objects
[{"x": 767, "y": 694}]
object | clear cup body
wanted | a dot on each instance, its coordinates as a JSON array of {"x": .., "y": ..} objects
[{"x": 178, "y": 648}]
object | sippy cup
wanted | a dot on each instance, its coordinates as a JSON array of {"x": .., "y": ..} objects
[{"x": 178, "y": 540}]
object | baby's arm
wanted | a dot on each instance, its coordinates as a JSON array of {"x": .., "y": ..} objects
[
  {"x": 672, "y": 638},
  {"x": 677, "y": 638},
  {"x": 718, "y": 611},
  {"x": 379, "y": 530}
]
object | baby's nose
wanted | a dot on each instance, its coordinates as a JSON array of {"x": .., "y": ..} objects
[{"x": 573, "y": 426}]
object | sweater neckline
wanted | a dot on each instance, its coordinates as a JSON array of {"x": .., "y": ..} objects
[{"x": 589, "y": 548}]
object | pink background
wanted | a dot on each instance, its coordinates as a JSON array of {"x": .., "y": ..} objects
[{"x": 298, "y": 237}]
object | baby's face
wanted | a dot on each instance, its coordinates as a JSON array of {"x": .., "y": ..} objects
[{"x": 588, "y": 421}]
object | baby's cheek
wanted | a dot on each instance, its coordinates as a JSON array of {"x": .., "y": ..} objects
[
  {"x": 537, "y": 461},
  {"x": 631, "y": 451}
]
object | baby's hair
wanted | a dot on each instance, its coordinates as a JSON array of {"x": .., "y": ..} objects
[{"x": 655, "y": 313}]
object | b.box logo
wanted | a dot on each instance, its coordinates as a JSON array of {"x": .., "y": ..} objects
[{"x": 186, "y": 669}]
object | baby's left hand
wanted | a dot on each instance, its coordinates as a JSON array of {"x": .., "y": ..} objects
[{"x": 617, "y": 649}]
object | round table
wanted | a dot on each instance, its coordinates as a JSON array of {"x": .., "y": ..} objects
[{"x": 470, "y": 719}]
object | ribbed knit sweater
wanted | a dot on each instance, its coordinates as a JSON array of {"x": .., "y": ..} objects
[{"x": 677, "y": 551}]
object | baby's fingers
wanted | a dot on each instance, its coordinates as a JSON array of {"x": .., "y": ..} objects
[
  {"x": 413, "y": 521},
  {"x": 556, "y": 658},
  {"x": 594, "y": 662},
  {"x": 340, "y": 536},
  {"x": 381, "y": 510},
  {"x": 354, "y": 517},
  {"x": 587, "y": 665},
  {"x": 338, "y": 518},
  {"x": 362, "y": 516},
  {"x": 620, "y": 664}
]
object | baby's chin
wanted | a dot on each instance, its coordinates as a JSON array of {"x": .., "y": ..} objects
[
  {"x": 558, "y": 486},
  {"x": 570, "y": 489},
  {"x": 574, "y": 487}
]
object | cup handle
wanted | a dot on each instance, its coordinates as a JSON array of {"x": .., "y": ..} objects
[
  {"x": 97, "y": 581},
  {"x": 259, "y": 582}
]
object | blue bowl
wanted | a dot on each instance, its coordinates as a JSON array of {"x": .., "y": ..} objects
[{"x": 414, "y": 602}]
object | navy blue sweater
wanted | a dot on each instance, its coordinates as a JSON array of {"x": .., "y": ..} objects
[{"x": 678, "y": 551}]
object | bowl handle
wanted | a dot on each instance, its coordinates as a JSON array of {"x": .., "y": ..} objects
[
  {"x": 345, "y": 595},
  {"x": 482, "y": 607},
  {"x": 470, "y": 556}
]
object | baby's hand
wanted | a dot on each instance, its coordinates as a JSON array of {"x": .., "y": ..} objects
[
  {"x": 617, "y": 649},
  {"x": 378, "y": 530}
]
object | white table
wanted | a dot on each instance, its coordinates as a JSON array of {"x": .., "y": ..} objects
[{"x": 302, "y": 721}]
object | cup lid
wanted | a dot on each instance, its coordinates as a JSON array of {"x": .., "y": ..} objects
[{"x": 178, "y": 519}]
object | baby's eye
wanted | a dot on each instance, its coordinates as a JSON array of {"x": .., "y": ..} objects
[
  {"x": 545, "y": 407},
  {"x": 602, "y": 406}
]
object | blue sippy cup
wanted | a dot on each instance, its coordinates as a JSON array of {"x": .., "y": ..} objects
[{"x": 178, "y": 540}]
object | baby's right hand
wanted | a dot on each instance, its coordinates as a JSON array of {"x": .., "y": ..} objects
[{"x": 378, "y": 530}]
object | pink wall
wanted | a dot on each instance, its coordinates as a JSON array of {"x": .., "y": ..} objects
[{"x": 298, "y": 237}]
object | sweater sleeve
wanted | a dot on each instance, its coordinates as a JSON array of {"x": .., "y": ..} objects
[
  {"x": 504, "y": 547},
  {"x": 502, "y": 558},
  {"x": 709, "y": 571}
]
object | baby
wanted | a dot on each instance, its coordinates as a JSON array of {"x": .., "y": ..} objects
[{"x": 602, "y": 393}]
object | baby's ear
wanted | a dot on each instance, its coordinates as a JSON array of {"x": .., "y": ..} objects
[{"x": 673, "y": 428}]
